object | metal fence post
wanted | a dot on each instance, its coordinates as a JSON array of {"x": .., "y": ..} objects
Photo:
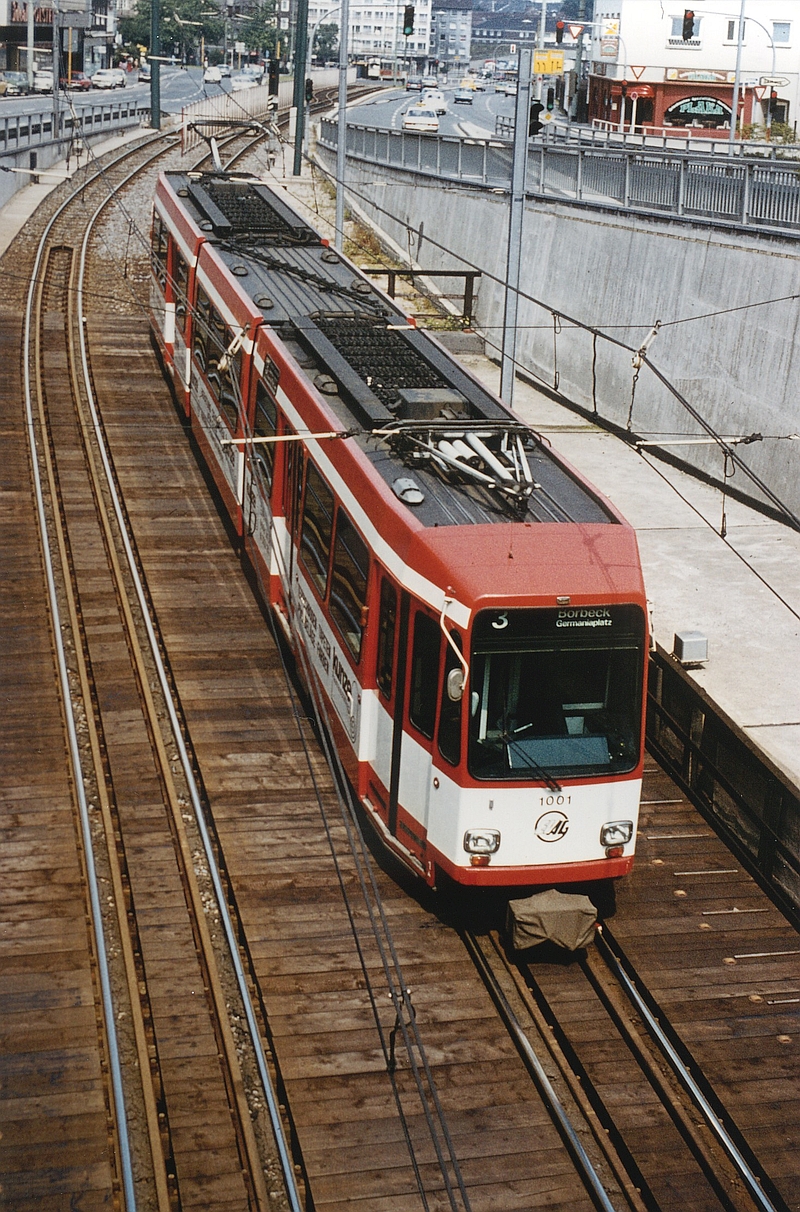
[
  {"x": 579, "y": 177},
  {"x": 681, "y": 185},
  {"x": 746, "y": 192},
  {"x": 627, "y": 190}
]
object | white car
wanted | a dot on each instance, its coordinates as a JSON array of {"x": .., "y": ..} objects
[
  {"x": 212, "y": 75},
  {"x": 433, "y": 98},
  {"x": 43, "y": 81},
  {"x": 422, "y": 119},
  {"x": 242, "y": 81},
  {"x": 109, "y": 77},
  {"x": 255, "y": 70}
]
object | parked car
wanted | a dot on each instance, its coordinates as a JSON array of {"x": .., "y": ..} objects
[
  {"x": 462, "y": 96},
  {"x": 422, "y": 119},
  {"x": 43, "y": 82},
  {"x": 109, "y": 77},
  {"x": 77, "y": 81},
  {"x": 212, "y": 75},
  {"x": 433, "y": 98},
  {"x": 14, "y": 84}
]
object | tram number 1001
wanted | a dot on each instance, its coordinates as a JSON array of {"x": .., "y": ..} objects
[{"x": 554, "y": 801}]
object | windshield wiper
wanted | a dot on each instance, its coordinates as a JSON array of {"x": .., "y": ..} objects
[{"x": 547, "y": 778}]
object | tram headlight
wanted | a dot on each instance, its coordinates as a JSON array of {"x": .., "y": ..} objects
[
  {"x": 616, "y": 833},
  {"x": 482, "y": 841}
]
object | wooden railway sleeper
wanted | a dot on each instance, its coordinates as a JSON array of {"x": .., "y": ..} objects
[
  {"x": 626, "y": 1174},
  {"x": 723, "y": 1176}
]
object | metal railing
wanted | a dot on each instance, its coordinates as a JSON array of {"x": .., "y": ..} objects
[
  {"x": 757, "y": 193},
  {"x": 19, "y": 132},
  {"x": 748, "y": 800}
]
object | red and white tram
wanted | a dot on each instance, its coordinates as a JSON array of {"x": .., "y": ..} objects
[{"x": 472, "y": 611}]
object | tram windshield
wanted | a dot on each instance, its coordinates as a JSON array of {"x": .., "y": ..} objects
[{"x": 556, "y": 693}]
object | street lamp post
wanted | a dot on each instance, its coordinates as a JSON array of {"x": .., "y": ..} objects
[{"x": 736, "y": 78}]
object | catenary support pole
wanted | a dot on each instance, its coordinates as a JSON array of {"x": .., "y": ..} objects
[
  {"x": 516, "y": 210},
  {"x": 299, "y": 98},
  {"x": 155, "y": 64},
  {"x": 341, "y": 146}
]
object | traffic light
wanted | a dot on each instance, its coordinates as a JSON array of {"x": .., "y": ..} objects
[
  {"x": 309, "y": 90},
  {"x": 274, "y": 77},
  {"x": 773, "y": 100},
  {"x": 687, "y": 33},
  {"x": 534, "y": 122},
  {"x": 408, "y": 20},
  {"x": 559, "y": 31},
  {"x": 624, "y": 89},
  {"x": 551, "y": 99}
]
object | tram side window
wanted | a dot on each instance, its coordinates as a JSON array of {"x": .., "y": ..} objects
[
  {"x": 202, "y": 328},
  {"x": 450, "y": 713},
  {"x": 160, "y": 244},
  {"x": 424, "y": 673},
  {"x": 266, "y": 426},
  {"x": 387, "y": 623},
  {"x": 212, "y": 338},
  {"x": 317, "y": 526},
  {"x": 180, "y": 288},
  {"x": 349, "y": 583}
]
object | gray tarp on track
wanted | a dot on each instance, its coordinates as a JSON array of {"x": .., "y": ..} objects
[{"x": 558, "y": 917}]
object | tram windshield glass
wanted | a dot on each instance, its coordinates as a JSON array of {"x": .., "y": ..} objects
[{"x": 556, "y": 693}]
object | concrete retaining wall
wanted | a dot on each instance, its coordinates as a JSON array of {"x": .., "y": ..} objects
[{"x": 738, "y": 370}]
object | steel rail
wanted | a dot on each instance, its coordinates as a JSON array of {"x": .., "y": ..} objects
[
  {"x": 583, "y": 1163},
  {"x": 286, "y": 1163},
  {"x": 107, "y": 997},
  {"x": 612, "y": 955}
]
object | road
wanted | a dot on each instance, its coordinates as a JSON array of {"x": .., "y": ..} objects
[
  {"x": 179, "y": 86},
  {"x": 475, "y": 121}
]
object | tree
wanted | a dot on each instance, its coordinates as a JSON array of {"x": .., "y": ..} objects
[
  {"x": 183, "y": 24},
  {"x": 326, "y": 42},
  {"x": 259, "y": 32}
]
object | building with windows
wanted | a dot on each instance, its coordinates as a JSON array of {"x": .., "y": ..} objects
[
  {"x": 450, "y": 44},
  {"x": 85, "y": 32},
  {"x": 376, "y": 29},
  {"x": 646, "y": 73}
]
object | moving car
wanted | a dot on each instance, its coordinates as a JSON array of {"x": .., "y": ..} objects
[
  {"x": 212, "y": 75},
  {"x": 509, "y": 87},
  {"x": 467, "y": 82},
  {"x": 414, "y": 82},
  {"x": 254, "y": 70},
  {"x": 462, "y": 96},
  {"x": 43, "y": 82},
  {"x": 433, "y": 98},
  {"x": 243, "y": 80},
  {"x": 77, "y": 82},
  {"x": 430, "y": 82},
  {"x": 421, "y": 118},
  {"x": 14, "y": 84},
  {"x": 225, "y": 69},
  {"x": 109, "y": 77},
  {"x": 144, "y": 73}
]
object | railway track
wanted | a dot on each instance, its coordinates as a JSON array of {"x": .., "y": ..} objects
[{"x": 401, "y": 1084}]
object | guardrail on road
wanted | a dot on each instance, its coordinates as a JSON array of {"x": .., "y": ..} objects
[
  {"x": 19, "y": 132},
  {"x": 753, "y": 193}
]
